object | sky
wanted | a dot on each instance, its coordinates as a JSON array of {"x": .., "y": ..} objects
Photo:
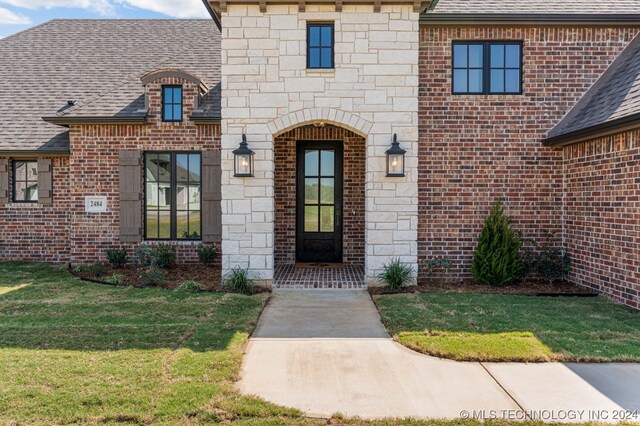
[{"x": 18, "y": 15}]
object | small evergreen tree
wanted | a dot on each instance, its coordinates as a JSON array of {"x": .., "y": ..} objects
[{"x": 497, "y": 261}]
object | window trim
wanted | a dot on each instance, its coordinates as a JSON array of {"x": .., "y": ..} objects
[
  {"x": 173, "y": 215},
  {"x": 14, "y": 181},
  {"x": 164, "y": 103},
  {"x": 486, "y": 66},
  {"x": 333, "y": 45}
]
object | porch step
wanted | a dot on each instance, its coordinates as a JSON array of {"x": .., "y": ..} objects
[{"x": 319, "y": 276}]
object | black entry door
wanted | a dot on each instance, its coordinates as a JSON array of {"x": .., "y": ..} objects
[{"x": 319, "y": 201}]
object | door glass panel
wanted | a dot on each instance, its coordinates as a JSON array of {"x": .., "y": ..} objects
[
  {"x": 326, "y": 219},
  {"x": 311, "y": 191},
  {"x": 327, "y": 190},
  {"x": 327, "y": 159},
  {"x": 311, "y": 163},
  {"x": 311, "y": 219}
]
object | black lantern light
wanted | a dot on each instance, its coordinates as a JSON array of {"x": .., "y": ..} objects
[
  {"x": 395, "y": 159},
  {"x": 243, "y": 160}
]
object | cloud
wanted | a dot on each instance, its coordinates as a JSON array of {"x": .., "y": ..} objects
[
  {"x": 9, "y": 17},
  {"x": 174, "y": 8},
  {"x": 103, "y": 7}
]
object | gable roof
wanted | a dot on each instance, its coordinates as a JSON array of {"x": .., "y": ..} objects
[
  {"x": 97, "y": 63},
  {"x": 533, "y": 10},
  {"x": 612, "y": 102}
]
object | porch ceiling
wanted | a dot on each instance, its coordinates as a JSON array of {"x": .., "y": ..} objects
[{"x": 219, "y": 6}]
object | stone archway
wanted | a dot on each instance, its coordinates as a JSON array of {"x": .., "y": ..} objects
[
  {"x": 331, "y": 116},
  {"x": 354, "y": 145}
]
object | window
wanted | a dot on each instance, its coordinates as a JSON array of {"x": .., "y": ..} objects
[
  {"x": 320, "y": 46},
  {"x": 172, "y": 103},
  {"x": 487, "y": 67},
  {"x": 25, "y": 181},
  {"x": 172, "y": 196}
]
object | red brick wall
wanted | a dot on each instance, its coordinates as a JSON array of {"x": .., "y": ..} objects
[
  {"x": 476, "y": 148},
  {"x": 93, "y": 168},
  {"x": 602, "y": 214},
  {"x": 38, "y": 232},
  {"x": 353, "y": 185}
]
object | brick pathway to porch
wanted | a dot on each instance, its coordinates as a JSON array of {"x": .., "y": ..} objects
[{"x": 321, "y": 275}]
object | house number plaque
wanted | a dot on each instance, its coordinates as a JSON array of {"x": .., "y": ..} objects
[{"x": 95, "y": 204}]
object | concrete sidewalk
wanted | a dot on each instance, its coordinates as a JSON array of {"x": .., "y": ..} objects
[{"x": 327, "y": 352}]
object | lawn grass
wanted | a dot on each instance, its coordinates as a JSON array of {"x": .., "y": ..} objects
[
  {"x": 74, "y": 352},
  {"x": 496, "y": 327},
  {"x": 83, "y": 353}
]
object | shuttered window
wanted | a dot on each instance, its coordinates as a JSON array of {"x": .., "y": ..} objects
[
  {"x": 25, "y": 181},
  {"x": 173, "y": 196}
]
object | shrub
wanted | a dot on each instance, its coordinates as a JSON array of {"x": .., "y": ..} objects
[
  {"x": 152, "y": 276},
  {"x": 190, "y": 286},
  {"x": 80, "y": 269},
  {"x": 239, "y": 280},
  {"x": 550, "y": 262},
  {"x": 145, "y": 255},
  {"x": 115, "y": 279},
  {"x": 207, "y": 254},
  {"x": 396, "y": 274},
  {"x": 496, "y": 261},
  {"x": 165, "y": 256},
  {"x": 117, "y": 257},
  {"x": 97, "y": 269},
  {"x": 439, "y": 263}
]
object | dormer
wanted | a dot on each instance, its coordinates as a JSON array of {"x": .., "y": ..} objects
[{"x": 172, "y": 95}]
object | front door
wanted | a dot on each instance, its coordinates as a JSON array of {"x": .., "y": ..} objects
[{"x": 319, "y": 202}]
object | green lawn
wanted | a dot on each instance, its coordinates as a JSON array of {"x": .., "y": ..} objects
[
  {"x": 74, "y": 352},
  {"x": 495, "y": 327}
]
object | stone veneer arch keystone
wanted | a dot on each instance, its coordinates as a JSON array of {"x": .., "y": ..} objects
[{"x": 332, "y": 116}]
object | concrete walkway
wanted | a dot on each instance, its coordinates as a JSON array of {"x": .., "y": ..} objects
[{"x": 327, "y": 352}]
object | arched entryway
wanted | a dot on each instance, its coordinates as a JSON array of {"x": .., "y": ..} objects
[{"x": 320, "y": 197}]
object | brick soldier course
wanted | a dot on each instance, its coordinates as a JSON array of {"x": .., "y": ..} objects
[{"x": 562, "y": 152}]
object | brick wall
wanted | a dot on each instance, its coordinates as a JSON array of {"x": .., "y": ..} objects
[
  {"x": 353, "y": 185},
  {"x": 93, "y": 168},
  {"x": 38, "y": 232},
  {"x": 476, "y": 148},
  {"x": 602, "y": 214}
]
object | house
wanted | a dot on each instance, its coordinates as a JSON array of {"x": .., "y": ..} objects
[{"x": 329, "y": 132}]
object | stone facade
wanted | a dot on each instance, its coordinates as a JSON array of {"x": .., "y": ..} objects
[
  {"x": 267, "y": 90},
  {"x": 602, "y": 214},
  {"x": 476, "y": 148},
  {"x": 354, "y": 187}
]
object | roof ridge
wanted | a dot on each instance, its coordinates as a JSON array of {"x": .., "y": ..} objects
[{"x": 42, "y": 24}]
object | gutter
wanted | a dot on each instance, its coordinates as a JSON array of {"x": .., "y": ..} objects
[
  {"x": 593, "y": 132},
  {"x": 67, "y": 121},
  {"x": 529, "y": 19},
  {"x": 213, "y": 14},
  {"x": 23, "y": 153},
  {"x": 205, "y": 120}
]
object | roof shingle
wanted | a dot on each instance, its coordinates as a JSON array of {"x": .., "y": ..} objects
[
  {"x": 98, "y": 63},
  {"x": 614, "y": 96},
  {"x": 519, "y": 7}
]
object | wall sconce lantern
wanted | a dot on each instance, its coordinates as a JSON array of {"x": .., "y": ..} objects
[
  {"x": 395, "y": 159},
  {"x": 243, "y": 160}
]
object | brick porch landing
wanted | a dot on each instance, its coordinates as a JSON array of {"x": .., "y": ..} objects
[{"x": 319, "y": 275}]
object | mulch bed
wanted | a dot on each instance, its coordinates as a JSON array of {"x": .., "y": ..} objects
[
  {"x": 209, "y": 277},
  {"x": 528, "y": 288}
]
